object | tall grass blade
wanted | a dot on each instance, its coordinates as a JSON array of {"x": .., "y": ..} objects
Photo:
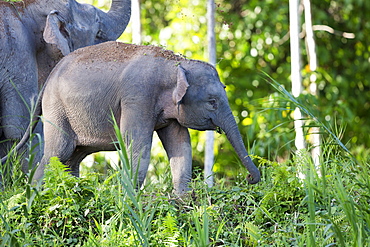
[
  {"x": 303, "y": 108},
  {"x": 139, "y": 216}
]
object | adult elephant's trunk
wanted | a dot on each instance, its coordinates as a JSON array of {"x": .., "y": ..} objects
[
  {"x": 118, "y": 17},
  {"x": 228, "y": 125}
]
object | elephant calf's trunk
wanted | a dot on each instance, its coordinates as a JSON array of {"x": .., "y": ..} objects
[
  {"x": 229, "y": 126},
  {"x": 255, "y": 175}
]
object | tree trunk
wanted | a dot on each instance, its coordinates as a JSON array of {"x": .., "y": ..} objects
[
  {"x": 312, "y": 58},
  {"x": 209, "y": 154},
  {"x": 296, "y": 70}
]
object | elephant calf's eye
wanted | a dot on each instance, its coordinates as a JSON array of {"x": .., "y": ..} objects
[
  {"x": 213, "y": 103},
  {"x": 100, "y": 34}
]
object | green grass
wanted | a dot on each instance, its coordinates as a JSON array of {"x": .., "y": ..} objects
[{"x": 328, "y": 207}]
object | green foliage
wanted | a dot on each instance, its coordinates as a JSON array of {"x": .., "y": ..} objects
[
  {"x": 63, "y": 212},
  {"x": 255, "y": 39},
  {"x": 322, "y": 207}
]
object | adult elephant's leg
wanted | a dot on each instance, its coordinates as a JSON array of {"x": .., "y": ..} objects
[
  {"x": 16, "y": 104},
  {"x": 18, "y": 97},
  {"x": 176, "y": 141}
]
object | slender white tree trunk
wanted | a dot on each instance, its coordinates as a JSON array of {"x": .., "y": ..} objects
[
  {"x": 312, "y": 58},
  {"x": 296, "y": 70},
  {"x": 135, "y": 22},
  {"x": 209, "y": 154}
]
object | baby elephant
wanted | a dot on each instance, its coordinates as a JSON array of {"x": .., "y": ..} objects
[{"x": 147, "y": 89}]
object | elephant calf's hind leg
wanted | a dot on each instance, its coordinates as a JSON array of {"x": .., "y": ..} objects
[
  {"x": 57, "y": 144},
  {"x": 74, "y": 161}
]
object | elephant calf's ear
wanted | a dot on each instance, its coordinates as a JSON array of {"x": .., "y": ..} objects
[
  {"x": 181, "y": 87},
  {"x": 53, "y": 34}
]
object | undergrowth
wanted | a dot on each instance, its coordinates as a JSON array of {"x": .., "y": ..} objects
[{"x": 329, "y": 207}]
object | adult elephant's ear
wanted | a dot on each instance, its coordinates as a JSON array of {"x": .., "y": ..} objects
[
  {"x": 55, "y": 33},
  {"x": 181, "y": 86}
]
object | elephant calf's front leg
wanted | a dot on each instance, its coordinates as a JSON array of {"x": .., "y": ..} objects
[{"x": 176, "y": 141}]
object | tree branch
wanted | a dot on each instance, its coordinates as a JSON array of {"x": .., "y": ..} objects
[
  {"x": 325, "y": 28},
  {"x": 332, "y": 31}
]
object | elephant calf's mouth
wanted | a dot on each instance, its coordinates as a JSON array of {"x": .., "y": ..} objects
[
  {"x": 219, "y": 130},
  {"x": 207, "y": 126}
]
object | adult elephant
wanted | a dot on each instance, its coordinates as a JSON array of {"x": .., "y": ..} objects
[{"x": 34, "y": 36}]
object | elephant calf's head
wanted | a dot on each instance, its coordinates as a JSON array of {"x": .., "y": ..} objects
[{"x": 203, "y": 105}]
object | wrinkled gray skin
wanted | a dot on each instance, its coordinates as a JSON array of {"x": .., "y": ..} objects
[
  {"x": 147, "y": 89},
  {"x": 34, "y": 36}
]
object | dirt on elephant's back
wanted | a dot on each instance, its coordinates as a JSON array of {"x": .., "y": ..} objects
[{"x": 117, "y": 51}]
